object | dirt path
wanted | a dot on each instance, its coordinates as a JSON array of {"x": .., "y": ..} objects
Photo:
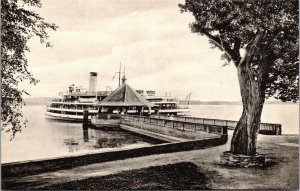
[{"x": 281, "y": 173}]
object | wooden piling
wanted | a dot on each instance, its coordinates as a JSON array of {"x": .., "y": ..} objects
[{"x": 85, "y": 123}]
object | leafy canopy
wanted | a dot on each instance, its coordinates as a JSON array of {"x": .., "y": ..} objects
[
  {"x": 233, "y": 25},
  {"x": 18, "y": 26}
]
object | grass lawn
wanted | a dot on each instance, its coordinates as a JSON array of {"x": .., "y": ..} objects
[{"x": 185, "y": 175}]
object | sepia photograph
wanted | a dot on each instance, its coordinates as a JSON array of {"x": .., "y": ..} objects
[{"x": 149, "y": 94}]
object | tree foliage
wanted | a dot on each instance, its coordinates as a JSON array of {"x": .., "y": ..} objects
[
  {"x": 260, "y": 37},
  {"x": 19, "y": 24},
  {"x": 266, "y": 28}
]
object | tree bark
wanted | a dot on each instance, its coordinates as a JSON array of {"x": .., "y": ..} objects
[{"x": 252, "y": 88}]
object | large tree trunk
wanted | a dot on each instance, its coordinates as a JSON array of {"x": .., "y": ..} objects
[{"x": 253, "y": 95}]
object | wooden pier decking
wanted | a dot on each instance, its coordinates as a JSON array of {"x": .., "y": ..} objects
[
  {"x": 183, "y": 126},
  {"x": 182, "y": 123},
  {"x": 165, "y": 129},
  {"x": 265, "y": 128}
]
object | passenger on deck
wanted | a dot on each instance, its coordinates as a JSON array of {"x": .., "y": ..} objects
[{"x": 172, "y": 118}]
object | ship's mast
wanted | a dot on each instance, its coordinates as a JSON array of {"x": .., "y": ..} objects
[
  {"x": 124, "y": 79},
  {"x": 119, "y": 75}
]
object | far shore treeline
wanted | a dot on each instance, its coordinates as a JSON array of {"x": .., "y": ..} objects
[{"x": 47, "y": 101}]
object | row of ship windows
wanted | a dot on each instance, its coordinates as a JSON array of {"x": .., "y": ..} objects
[
  {"x": 68, "y": 113},
  {"x": 73, "y": 107},
  {"x": 166, "y": 106}
]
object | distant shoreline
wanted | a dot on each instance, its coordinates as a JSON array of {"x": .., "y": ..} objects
[
  {"x": 46, "y": 101},
  {"x": 195, "y": 102}
]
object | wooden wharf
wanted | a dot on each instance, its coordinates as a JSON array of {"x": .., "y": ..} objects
[
  {"x": 189, "y": 126},
  {"x": 265, "y": 128},
  {"x": 183, "y": 123}
]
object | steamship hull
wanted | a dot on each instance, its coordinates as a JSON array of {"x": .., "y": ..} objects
[
  {"x": 69, "y": 114},
  {"x": 62, "y": 117}
]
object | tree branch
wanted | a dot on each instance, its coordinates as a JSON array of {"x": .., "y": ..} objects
[
  {"x": 233, "y": 54},
  {"x": 236, "y": 51},
  {"x": 251, "y": 49}
]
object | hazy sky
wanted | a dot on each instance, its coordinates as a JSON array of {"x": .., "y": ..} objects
[{"x": 150, "y": 37}]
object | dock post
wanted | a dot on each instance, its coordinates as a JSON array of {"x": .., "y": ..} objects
[
  {"x": 85, "y": 123},
  {"x": 85, "y": 134},
  {"x": 207, "y": 128},
  {"x": 278, "y": 129},
  {"x": 224, "y": 130}
]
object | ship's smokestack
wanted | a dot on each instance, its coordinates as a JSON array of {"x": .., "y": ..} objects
[{"x": 93, "y": 81}]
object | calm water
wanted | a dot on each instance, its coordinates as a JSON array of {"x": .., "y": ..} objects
[
  {"x": 45, "y": 138},
  {"x": 285, "y": 114}
]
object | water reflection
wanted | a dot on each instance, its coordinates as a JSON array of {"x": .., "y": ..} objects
[
  {"x": 85, "y": 130},
  {"x": 99, "y": 139},
  {"x": 85, "y": 135},
  {"x": 45, "y": 138},
  {"x": 71, "y": 144},
  {"x": 107, "y": 143}
]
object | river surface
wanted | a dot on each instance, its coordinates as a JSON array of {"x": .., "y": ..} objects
[
  {"x": 285, "y": 114},
  {"x": 44, "y": 138}
]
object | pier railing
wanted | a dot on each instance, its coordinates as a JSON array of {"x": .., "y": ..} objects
[
  {"x": 267, "y": 128},
  {"x": 176, "y": 124}
]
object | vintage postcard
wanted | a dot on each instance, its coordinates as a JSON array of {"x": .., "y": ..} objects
[{"x": 149, "y": 94}]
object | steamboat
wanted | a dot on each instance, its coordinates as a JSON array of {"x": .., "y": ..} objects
[{"x": 76, "y": 100}]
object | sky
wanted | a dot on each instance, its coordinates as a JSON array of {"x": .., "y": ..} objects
[{"x": 151, "y": 38}]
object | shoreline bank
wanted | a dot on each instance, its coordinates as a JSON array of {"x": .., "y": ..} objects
[{"x": 281, "y": 172}]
